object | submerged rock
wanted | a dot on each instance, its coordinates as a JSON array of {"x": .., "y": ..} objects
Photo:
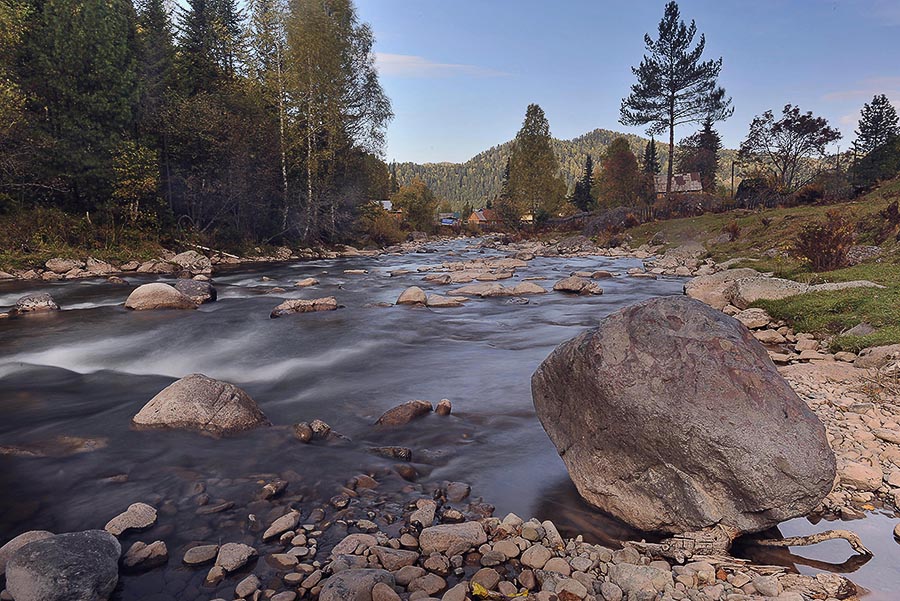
[
  {"x": 77, "y": 565},
  {"x": 158, "y": 296},
  {"x": 354, "y": 585},
  {"x": 405, "y": 413},
  {"x": 289, "y": 307},
  {"x": 671, "y": 417},
  {"x": 196, "y": 402},
  {"x": 577, "y": 285}
]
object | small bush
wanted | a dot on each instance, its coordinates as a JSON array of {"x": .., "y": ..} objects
[
  {"x": 631, "y": 220},
  {"x": 809, "y": 194},
  {"x": 825, "y": 244},
  {"x": 733, "y": 230}
]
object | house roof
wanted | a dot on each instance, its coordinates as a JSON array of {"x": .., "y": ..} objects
[
  {"x": 681, "y": 183},
  {"x": 487, "y": 215},
  {"x": 387, "y": 205}
]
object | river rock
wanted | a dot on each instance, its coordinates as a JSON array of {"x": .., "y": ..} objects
[
  {"x": 577, "y": 285},
  {"x": 877, "y": 356},
  {"x": 158, "y": 296},
  {"x": 711, "y": 288},
  {"x": 682, "y": 395},
  {"x": 136, "y": 517},
  {"x": 753, "y": 319},
  {"x": 233, "y": 556},
  {"x": 7, "y": 550},
  {"x": 451, "y": 539},
  {"x": 200, "y": 554},
  {"x": 633, "y": 579},
  {"x": 36, "y": 303},
  {"x": 65, "y": 567},
  {"x": 861, "y": 476},
  {"x": 485, "y": 289},
  {"x": 743, "y": 292},
  {"x": 354, "y": 585},
  {"x": 444, "y": 302},
  {"x": 289, "y": 307},
  {"x": 61, "y": 266},
  {"x": 528, "y": 288},
  {"x": 405, "y": 413},
  {"x": 98, "y": 267},
  {"x": 144, "y": 556},
  {"x": 198, "y": 291},
  {"x": 306, "y": 282},
  {"x": 192, "y": 261},
  {"x": 198, "y": 403},
  {"x": 412, "y": 296},
  {"x": 286, "y": 522}
]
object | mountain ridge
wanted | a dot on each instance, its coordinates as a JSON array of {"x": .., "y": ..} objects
[{"x": 479, "y": 179}]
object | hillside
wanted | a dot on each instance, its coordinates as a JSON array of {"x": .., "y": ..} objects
[{"x": 479, "y": 178}]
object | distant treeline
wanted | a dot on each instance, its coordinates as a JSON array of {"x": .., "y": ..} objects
[{"x": 481, "y": 178}]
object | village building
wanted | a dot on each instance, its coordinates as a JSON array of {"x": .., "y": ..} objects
[{"x": 682, "y": 183}]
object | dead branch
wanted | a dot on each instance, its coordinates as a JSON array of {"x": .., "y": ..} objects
[{"x": 813, "y": 539}]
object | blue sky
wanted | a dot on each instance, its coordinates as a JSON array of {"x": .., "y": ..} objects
[{"x": 460, "y": 73}]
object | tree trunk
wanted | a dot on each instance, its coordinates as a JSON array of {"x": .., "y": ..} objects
[
  {"x": 671, "y": 158},
  {"x": 284, "y": 176}
]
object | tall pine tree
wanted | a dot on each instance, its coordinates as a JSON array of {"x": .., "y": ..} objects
[
  {"x": 877, "y": 125},
  {"x": 673, "y": 86}
]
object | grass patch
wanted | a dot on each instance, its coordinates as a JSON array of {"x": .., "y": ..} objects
[{"x": 830, "y": 313}]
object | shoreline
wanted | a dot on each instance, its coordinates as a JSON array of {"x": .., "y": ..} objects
[{"x": 841, "y": 505}]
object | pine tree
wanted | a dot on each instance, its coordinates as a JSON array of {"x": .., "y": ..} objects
[
  {"x": 650, "y": 163},
  {"x": 673, "y": 87},
  {"x": 534, "y": 184},
  {"x": 700, "y": 153},
  {"x": 394, "y": 185},
  {"x": 79, "y": 73},
  {"x": 210, "y": 43},
  {"x": 877, "y": 125},
  {"x": 583, "y": 197}
]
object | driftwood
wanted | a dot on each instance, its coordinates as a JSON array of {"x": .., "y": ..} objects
[
  {"x": 812, "y": 539},
  {"x": 208, "y": 249},
  {"x": 716, "y": 542}
]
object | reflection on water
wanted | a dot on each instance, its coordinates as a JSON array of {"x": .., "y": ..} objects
[{"x": 85, "y": 371}]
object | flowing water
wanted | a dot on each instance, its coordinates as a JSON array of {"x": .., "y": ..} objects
[{"x": 83, "y": 372}]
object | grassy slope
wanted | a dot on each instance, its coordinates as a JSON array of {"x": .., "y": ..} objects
[{"x": 826, "y": 313}]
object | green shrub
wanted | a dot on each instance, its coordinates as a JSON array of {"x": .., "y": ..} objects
[{"x": 825, "y": 244}]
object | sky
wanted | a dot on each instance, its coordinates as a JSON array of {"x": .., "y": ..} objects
[{"x": 460, "y": 73}]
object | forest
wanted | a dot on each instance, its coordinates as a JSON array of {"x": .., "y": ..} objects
[{"x": 220, "y": 122}]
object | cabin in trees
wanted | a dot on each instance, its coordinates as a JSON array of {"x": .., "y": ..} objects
[
  {"x": 388, "y": 206},
  {"x": 449, "y": 219},
  {"x": 484, "y": 217},
  {"x": 682, "y": 183}
]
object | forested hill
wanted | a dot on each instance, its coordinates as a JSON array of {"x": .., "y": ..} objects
[{"x": 479, "y": 178}]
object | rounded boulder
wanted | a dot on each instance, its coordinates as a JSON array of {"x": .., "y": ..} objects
[
  {"x": 158, "y": 296},
  {"x": 671, "y": 417}
]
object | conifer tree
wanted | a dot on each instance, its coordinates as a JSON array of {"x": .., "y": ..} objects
[
  {"x": 673, "y": 86},
  {"x": 877, "y": 125},
  {"x": 583, "y": 197},
  {"x": 700, "y": 153},
  {"x": 534, "y": 184},
  {"x": 79, "y": 74},
  {"x": 650, "y": 163}
]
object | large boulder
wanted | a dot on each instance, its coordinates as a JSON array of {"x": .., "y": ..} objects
[
  {"x": 711, "y": 288},
  {"x": 878, "y": 356},
  {"x": 158, "y": 296},
  {"x": 198, "y": 403},
  {"x": 13, "y": 545},
  {"x": 36, "y": 303},
  {"x": 198, "y": 291},
  {"x": 66, "y": 567},
  {"x": 61, "y": 266},
  {"x": 412, "y": 296},
  {"x": 671, "y": 417}
]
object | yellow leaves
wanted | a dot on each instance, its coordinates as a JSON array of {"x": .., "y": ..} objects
[{"x": 482, "y": 593}]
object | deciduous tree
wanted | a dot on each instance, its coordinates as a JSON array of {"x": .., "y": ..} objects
[
  {"x": 620, "y": 180},
  {"x": 789, "y": 148}
]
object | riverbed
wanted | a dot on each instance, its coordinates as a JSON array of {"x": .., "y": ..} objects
[{"x": 83, "y": 372}]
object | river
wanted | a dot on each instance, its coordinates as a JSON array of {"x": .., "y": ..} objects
[{"x": 86, "y": 370}]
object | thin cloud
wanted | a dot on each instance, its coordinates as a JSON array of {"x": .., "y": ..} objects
[
  {"x": 410, "y": 66},
  {"x": 868, "y": 88}
]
